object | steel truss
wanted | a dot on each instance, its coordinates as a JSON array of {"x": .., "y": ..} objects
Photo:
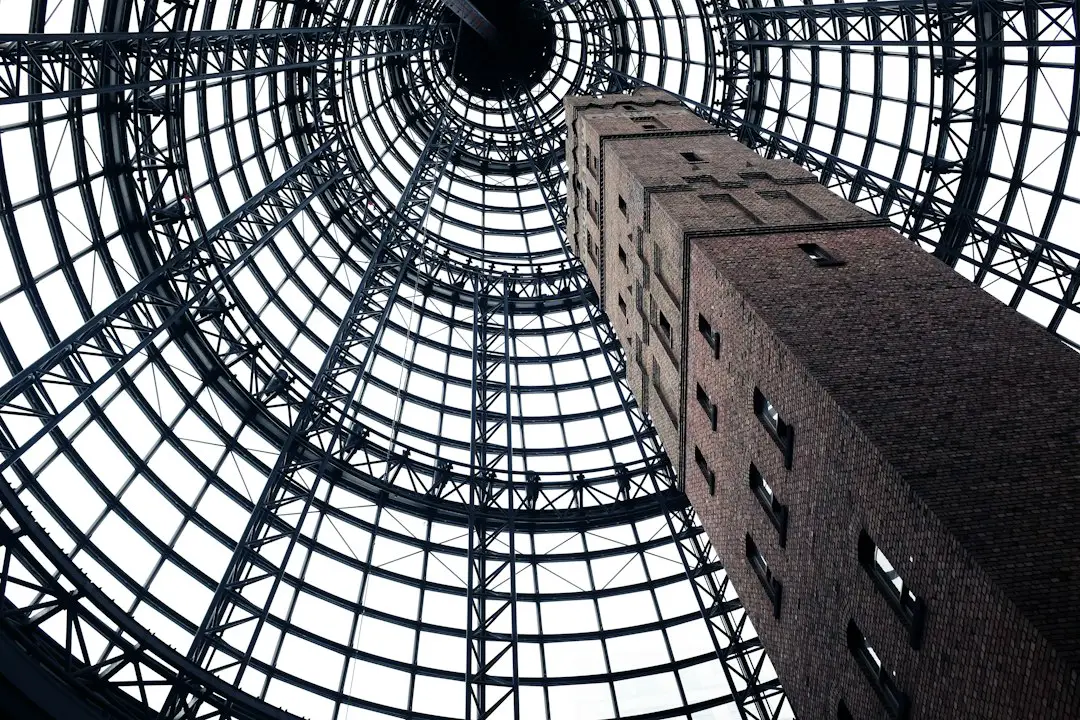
[
  {"x": 262, "y": 554},
  {"x": 492, "y": 625},
  {"x": 35, "y": 401},
  {"x": 36, "y": 68}
]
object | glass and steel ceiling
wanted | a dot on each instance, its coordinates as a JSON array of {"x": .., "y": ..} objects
[{"x": 306, "y": 407}]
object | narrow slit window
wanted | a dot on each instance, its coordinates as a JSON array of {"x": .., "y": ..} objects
[
  {"x": 781, "y": 432},
  {"x": 622, "y": 305},
  {"x": 622, "y": 206},
  {"x": 773, "y": 587},
  {"x": 665, "y": 326},
  {"x": 693, "y": 157},
  {"x": 820, "y": 255},
  {"x": 703, "y": 466},
  {"x": 774, "y": 509},
  {"x": 622, "y": 257},
  {"x": 712, "y": 338},
  {"x": 909, "y": 607},
  {"x": 707, "y": 405},
  {"x": 896, "y": 702}
]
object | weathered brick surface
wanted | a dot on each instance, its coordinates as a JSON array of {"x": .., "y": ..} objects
[{"x": 944, "y": 424}]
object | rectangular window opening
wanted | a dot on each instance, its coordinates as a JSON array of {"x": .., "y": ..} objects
[
  {"x": 909, "y": 607},
  {"x": 622, "y": 257},
  {"x": 896, "y": 702},
  {"x": 703, "y": 466},
  {"x": 820, "y": 256},
  {"x": 707, "y": 405},
  {"x": 693, "y": 157},
  {"x": 670, "y": 409},
  {"x": 648, "y": 122},
  {"x": 782, "y": 433},
  {"x": 773, "y": 588},
  {"x": 665, "y": 326},
  {"x": 712, "y": 338},
  {"x": 622, "y": 206},
  {"x": 622, "y": 305},
  {"x": 774, "y": 509}
]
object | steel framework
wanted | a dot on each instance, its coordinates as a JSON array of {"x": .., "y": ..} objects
[{"x": 306, "y": 406}]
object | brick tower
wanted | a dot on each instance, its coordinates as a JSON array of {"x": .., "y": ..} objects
[{"x": 886, "y": 459}]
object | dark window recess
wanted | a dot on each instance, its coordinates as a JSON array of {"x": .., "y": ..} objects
[
  {"x": 622, "y": 257},
  {"x": 820, "y": 256},
  {"x": 591, "y": 160},
  {"x": 671, "y": 410},
  {"x": 703, "y": 466},
  {"x": 622, "y": 205},
  {"x": 782, "y": 433},
  {"x": 622, "y": 305},
  {"x": 776, "y": 512},
  {"x": 590, "y": 204},
  {"x": 712, "y": 338},
  {"x": 707, "y": 405},
  {"x": 648, "y": 122},
  {"x": 693, "y": 157},
  {"x": 896, "y": 702},
  {"x": 665, "y": 326},
  {"x": 907, "y": 605},
  {"x": 772, "y": 586},
  {"x": 842, "y": 712}
]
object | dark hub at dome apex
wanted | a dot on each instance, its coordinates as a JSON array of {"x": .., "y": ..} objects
[{"x": 517, "y": 58}]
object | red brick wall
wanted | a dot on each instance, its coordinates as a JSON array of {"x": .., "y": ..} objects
[
  {"x": 845, "y": 353},
  {"x": 942, "y": 423}
]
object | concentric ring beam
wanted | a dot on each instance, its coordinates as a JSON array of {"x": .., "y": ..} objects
[{"x": 34, "y": 68}]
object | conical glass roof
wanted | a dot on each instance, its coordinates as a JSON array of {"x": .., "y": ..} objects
[{"x": 307, "y": 406}]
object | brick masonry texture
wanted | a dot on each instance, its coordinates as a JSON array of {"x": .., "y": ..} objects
[{"x": 942, "y": 423}]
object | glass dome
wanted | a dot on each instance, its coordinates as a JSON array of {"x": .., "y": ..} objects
[{"x": 307, "y": 407}]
